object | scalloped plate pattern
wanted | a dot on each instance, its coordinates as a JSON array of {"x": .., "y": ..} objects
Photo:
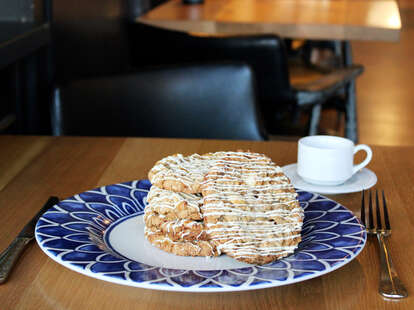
[{"x": 76, "y": 233}]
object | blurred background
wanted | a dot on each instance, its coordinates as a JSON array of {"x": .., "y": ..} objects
[{"x": 44, "y": 43}]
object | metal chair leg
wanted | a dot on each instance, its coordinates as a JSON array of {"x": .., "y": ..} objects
[
  {"x": 314, "y": 119},
  {"x": 351, "y": 126},
  {"x": 351, "y": 130}
]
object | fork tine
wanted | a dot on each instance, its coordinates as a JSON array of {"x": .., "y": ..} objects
[
  {"x": 370, "y": 216},
  {"x": 379, "y": 225},
  {"x": 386, "y": 218},
  {"x": 363, "y": 208}
]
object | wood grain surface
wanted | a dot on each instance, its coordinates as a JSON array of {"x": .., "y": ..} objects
[
  {"x": 37, "y": 167},
  {"x": 311, "y": 19}
]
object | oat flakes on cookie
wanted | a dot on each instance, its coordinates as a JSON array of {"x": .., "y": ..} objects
[
  {"x": 174, "y": 205},
  {"x": 250, "y": 208},
  {"x": 177, "y": 229},
  {"x": 179, "y": 173},
  {"x": 181, "y": 248}
]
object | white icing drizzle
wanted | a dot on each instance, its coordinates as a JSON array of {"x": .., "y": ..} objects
[
  {"x": 160, "y": 199},
  {"x": 185, "y": 169},
  {"x": 250, "y": 207},
  {"x": 179, "y": 228},
  {"x": 196, "y": 245},
  {"x": 252, "y": 193}
]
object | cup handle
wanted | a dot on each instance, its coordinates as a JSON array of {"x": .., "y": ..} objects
[{"x": 367, "y": 149}]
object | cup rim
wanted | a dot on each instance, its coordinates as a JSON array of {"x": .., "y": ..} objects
[{"x": 303, "y": 140}]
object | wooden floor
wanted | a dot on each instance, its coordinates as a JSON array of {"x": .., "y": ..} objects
[{"x": 385, "y": 92}]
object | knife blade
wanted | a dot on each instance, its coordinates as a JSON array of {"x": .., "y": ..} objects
[
  {"x": 9, "y": 256},
  {"x": 29, "y": 228}
]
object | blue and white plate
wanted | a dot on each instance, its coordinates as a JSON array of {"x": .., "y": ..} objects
[{"x": 100, "y": 233}]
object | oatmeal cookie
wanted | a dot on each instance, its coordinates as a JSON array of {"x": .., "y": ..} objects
[
  {"x": 182, "y": 248},
  {"x": 178, "y": 229},
  {"x": 175, "y": 205},
  {"x": 250, "y": 208},
  {"x": 180, "y": 173}
]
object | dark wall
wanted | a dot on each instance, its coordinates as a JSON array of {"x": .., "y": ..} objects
[
  {"x": 16, "y": 10},
  {"x": 15, "y": 16},
  {"x": 90, "y": 37}
]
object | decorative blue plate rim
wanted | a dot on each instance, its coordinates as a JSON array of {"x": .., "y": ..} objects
[{"x": 74, "y": 234}]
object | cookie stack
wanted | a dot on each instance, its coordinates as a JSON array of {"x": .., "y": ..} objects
[
  {"x": 237, "y": 203},
  {"x": 173, "y": 218}
]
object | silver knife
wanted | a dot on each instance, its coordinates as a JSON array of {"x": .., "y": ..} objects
[{"x": 10, "y": 255}]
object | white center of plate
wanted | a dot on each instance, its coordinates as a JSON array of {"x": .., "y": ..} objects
[{"x": 127, "y": 238}]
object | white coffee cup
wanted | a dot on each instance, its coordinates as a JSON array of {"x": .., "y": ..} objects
[{"x": 329, "y": 160}]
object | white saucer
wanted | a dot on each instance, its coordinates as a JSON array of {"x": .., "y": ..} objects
[{"x": 361, "y": 180}]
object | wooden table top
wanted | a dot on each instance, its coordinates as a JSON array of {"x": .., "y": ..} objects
[
  {"x": 308, "y": 19},
  {"x": 34, "y": 168}
]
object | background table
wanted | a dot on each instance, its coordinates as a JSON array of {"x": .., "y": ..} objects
[
  {"x": 33, "y": 168},
  {"x": 342, "y": 20},
  {"x": 310, "y": 19}
]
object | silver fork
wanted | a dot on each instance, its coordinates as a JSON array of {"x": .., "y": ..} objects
[{"x": 390, "y": 285}]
